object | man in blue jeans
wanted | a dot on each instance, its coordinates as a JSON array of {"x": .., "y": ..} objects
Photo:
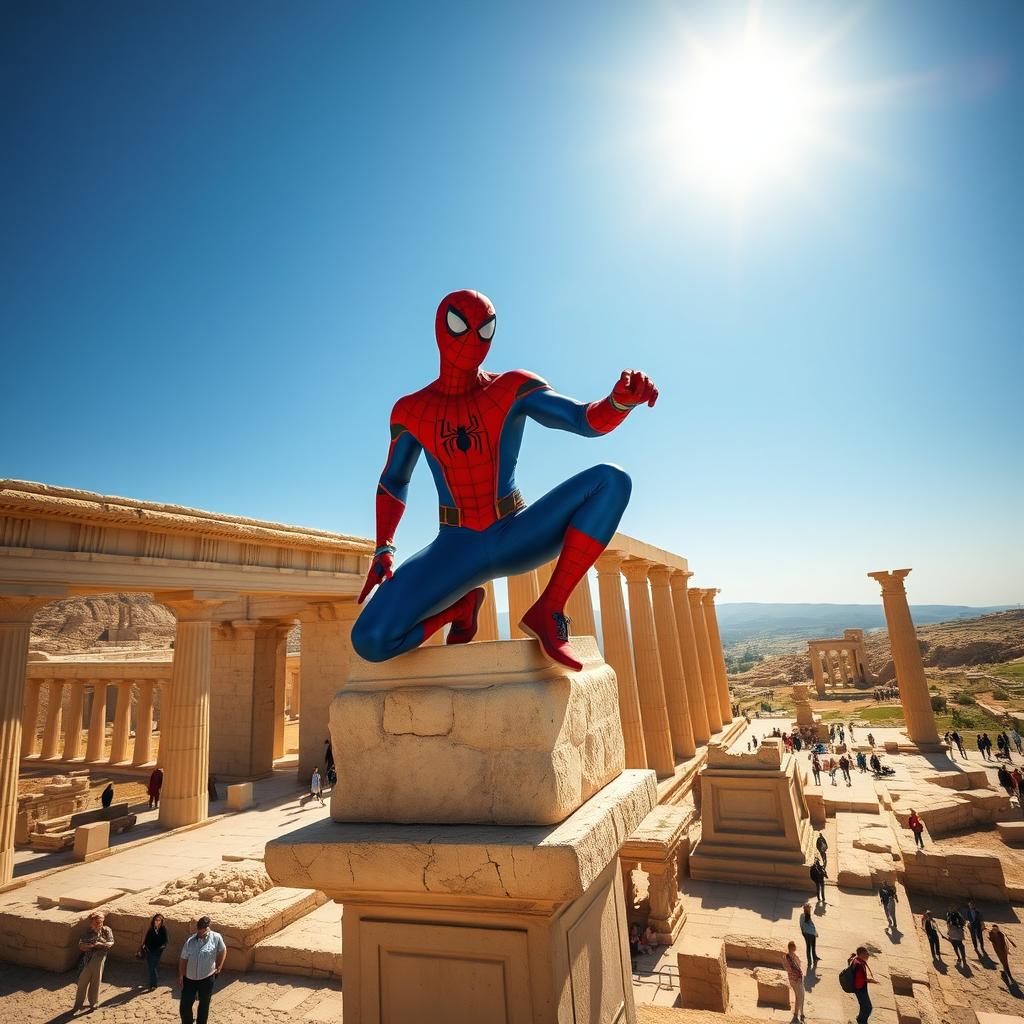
[
  {"x": 861, "y": 979},
  {"x": 202, "y": 959}
]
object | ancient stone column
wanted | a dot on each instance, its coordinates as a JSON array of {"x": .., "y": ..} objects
[
  {"x": 54, "y": 720},
  {"x": 580, "y": 609},
  {"x": 487, "y": 621},
  {"x": 717, "y": 654},
  {"x": 816, "y": 670},
  {"x": 906, "y": 655},
  {"x": 619, "y": 655},
  {"x": 96, "y": 747},
  {"x": 653, "y": 707},
  {"x": 73, "y": 723},
  {"x": 280, "y": 683},
  {"x": 15, "y": 623},
  {"x": 831, "y": 669},
  {"x": 142, "y": 754},
  {"x": 185, "y": 722},
  {"x": 688, "y": 652},
  {"x": 523, "y": 591},
  {"x": 122, "y": 723},
  {"x": 671, "y": 663},
  {"x": 30, "y": 718},
  {"x": 707, "y": 666},
  {"x": 297, "y": 691}
]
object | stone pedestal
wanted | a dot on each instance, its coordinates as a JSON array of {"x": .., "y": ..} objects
[
  {"x": 491, "y": 733},
  {"x": 755, "y": 824},
  {"x": 490, "y": 923},
  {"x": 485, "y": 923},
  {"x": 91, "y": 839},
  {"x": 805, "y": 716}
]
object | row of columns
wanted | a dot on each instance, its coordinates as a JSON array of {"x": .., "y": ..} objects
[
  {"x": 667, "y": 654},
  {"x": 63, "y": 727}
]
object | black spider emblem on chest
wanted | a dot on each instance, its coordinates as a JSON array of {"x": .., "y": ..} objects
[{"x": 460, "y": 437}]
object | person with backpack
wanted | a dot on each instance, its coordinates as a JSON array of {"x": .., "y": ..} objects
[
  {"x": 795, "y": 973},
  {"x": 855, "y": 978},
  {"x": 928, "y": 924},
  {"x": 810, "y": 933},
  {"x": 844, "y": 767},
  {"x": 955, "y": 935},
  {"x": 887, "y": 894},
  {"x": 818, "y": 876},
  {"x": 916, "y": 825}
]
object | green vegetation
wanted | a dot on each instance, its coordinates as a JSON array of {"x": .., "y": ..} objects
[
  {"x": 963, "y": 697},
  {"x": 1012, "y": 671},
  {"x": 889, "y": 715},
  {"x": 998, "y": 694},
  {"x": 938, "y": 703}
]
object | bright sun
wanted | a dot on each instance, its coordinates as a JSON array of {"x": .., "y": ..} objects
[{"x": 742, "y": 117}]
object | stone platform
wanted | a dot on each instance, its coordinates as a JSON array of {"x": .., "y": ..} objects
[{"x": 496, "y": 735}]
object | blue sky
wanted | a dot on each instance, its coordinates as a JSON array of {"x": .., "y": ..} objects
[{"x": 226, "y": 227}]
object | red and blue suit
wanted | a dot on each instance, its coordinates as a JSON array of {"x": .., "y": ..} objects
[{"x": 469, "y": 426}]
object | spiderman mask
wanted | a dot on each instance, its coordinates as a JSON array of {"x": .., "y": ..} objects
[{"x": 464, "y": 327}]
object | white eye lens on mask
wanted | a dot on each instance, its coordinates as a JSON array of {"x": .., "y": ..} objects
[
  {"x": 456, "y": 325},
  {"x": 487, "y": 329}
]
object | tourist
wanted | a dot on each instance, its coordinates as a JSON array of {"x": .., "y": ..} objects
[
  {"x": 928, "y": 924},
  {"x": 94, "y": 945},
  {"x": 753, "y": 739},
  {"x": 959, "y": 741},
  {"x": 981, "y": 745},
  {"x": 844, "y": 766},
  {"x": 156, "y": 781},
  {"x": 821, "y": 845},
  {"x": 107, "y": 796},
  {"x": 1018, "y": 781},
  {"x": 810, "y": 933},
  {"x": 211, "y": 789},
  {"x": 871, "y": 739},
  {"x": 796, "y": 980},
  {"x": 816, "y": 769},
  {"x": 955, "y": 935},
  {"x": 887, "y": 894},
  {"x": 1005, "y": 779},
  {"x": 862, "y": 977},
  {"x": 916, "y": 825},
  {"x": 316, "y": 787},
  {"x": 635, "y": 945},
  {"x": 328, "y": 755},
  {"x": 202, "y": 959},
  {"x": 876, "y": 764},
  {"x": 798, "y": 742},
  {"x": 1006, "y": 745},
  {"x": 818, "y": 876},
  {"x": 862, "y": 762},
  {"x": 999, "y": 939},
  {"x": 850, "y": 727},
  {"x": 975, "y": 926},
  {"x": 153, "y": 946},
  {"x": 1018, "y": 740},
  {"x": 832, "y": 766},
  {"x": 650, "y": 938}
]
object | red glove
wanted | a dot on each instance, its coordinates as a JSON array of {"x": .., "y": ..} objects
[
  {"x": 380, "y": 570},
  {"x": 389, "y": 512},
  {"x": 634, "y": 388}
]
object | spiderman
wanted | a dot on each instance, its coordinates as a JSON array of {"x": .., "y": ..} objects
[{"x": 470, "y": 425}]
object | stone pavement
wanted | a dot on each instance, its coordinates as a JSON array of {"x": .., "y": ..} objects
[{"x": 31, "y": 996}]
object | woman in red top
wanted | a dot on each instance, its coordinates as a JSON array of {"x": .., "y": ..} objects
[
  {"x": 917, "y": 827},
  {"x": 861, "y": 979}
]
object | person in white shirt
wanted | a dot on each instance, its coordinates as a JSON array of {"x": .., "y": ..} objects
[
  {"x": 202, "y": 959},
  {"x": 316, "y": 786}
]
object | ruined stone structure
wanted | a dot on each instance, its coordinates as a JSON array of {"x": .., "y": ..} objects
[
  {"x": 839, "y": 662},
  {"x": 755, "y": 824}
]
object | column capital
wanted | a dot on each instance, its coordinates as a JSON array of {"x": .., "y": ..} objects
[
  {"x": 707, "y": 594},
  {"x": 679, "y": 580},
  {"x": 891, "y": 582},
  {"x": 609, "y": 562},
  {"x": 20, "y": 608},
  {"x": 694, "y": 595},
  {"x": 660, "y": 575},
  {"x": 636, "y": 570},
  {"x": 194, "y": 605}
]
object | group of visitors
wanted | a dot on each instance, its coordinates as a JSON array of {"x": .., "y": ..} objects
[
  {"x": 968, "y": 920},
  {"x": 1002, "y": 745},
  {"x": 641, "y": 943},
  {"x": 954, "y": 739},
  {"x": 201, "y": 960},
  {"x": 886, "y": 693}
]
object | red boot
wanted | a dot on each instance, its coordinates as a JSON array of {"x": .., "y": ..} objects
[
  {"x": 550, "y": 628},
  {"x": 467, "y": 611}
]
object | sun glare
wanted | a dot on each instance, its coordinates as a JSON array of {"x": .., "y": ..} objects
[{"x": 742, "y": 118}]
